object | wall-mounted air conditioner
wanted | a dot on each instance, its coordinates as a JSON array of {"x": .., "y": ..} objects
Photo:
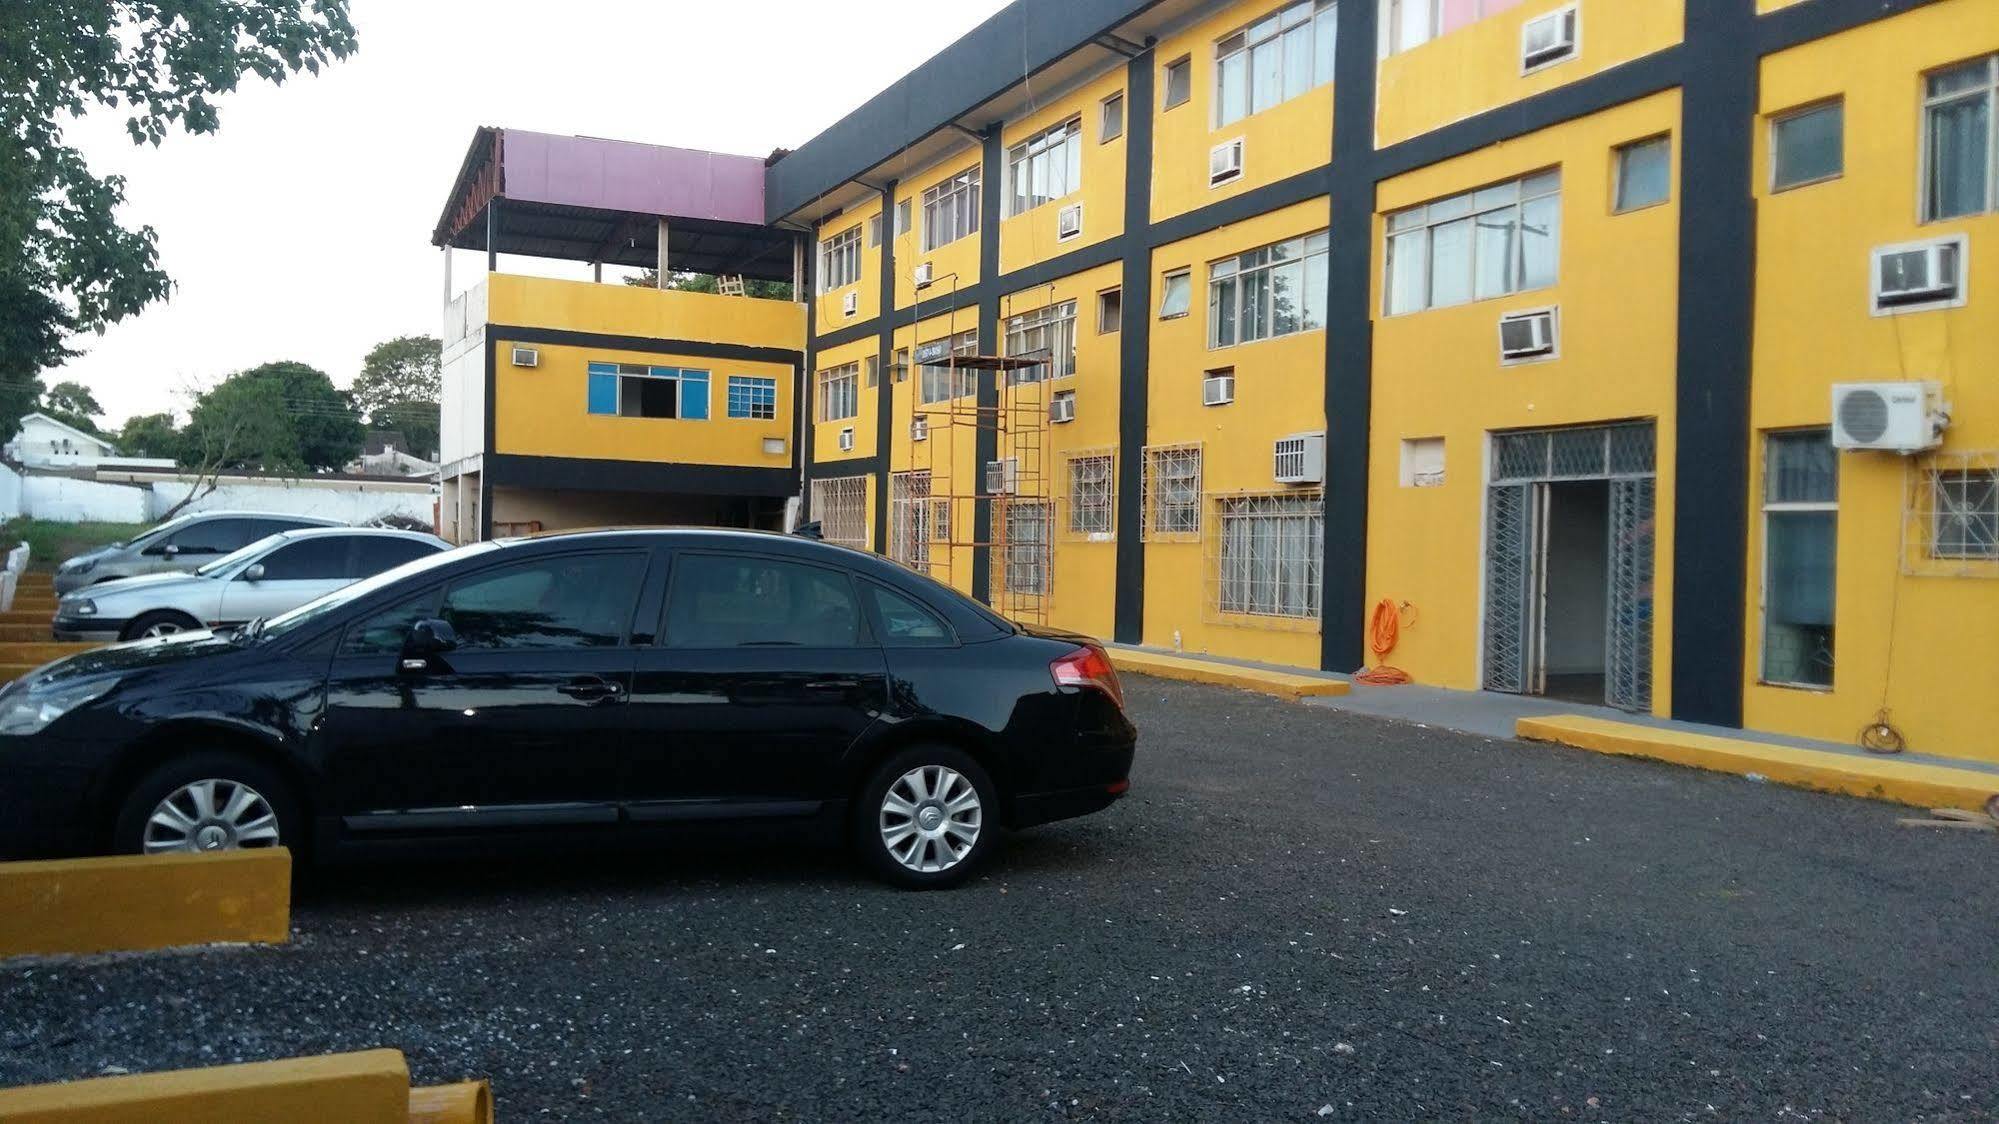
[
  {"x": 925, "y": 274},
  {"x": 1218, "y": 388},
  {"x": 1299, "y": 459},
  {"x": 1002, "y": 476},
  {"x": 851, "y": 303},
  {"x": 1225, "y": 163},
  {"x": 1922, "y": 273},
  {"x": 1525, "y": 335},
  {"x": 919, "y": 428},
  {"x": 527, "y": 357},
  {"x": 1069, "y": 222},
  {"x": 847, "y": 440},
  {"x": 1062, "y": 408},
  {"x": 1548, "y": 39},
  {"x": 1896, "y": 417}
]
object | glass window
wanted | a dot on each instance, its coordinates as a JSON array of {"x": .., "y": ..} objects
[
  {"x": 951, "y": 210},
  {"x": 1045, "y": 167},
  {"x": 1482, "y": 244},
  {"x": 1176, "y": 294},
  {"x": 1028, "y": 568},
  {"x": 573, "y": 601},
  {"x": 1644, "y": 173},
  {"x": 635, "y": 390},
  {"x": 1800, "y": 533},
  {"x": 385, "y": 632},
  {"x": 941, "y": 380},
  {"x": 739, "y": 601},
  {"x": 1807, "y": 146},
  {"x": 375, "y": 553},
  {"x": 320, "y": 558},
  {"x": 216, "y": 536},
  {"x": 752, "y": 397},
  {"x": 1046, "y": 332},
  {"x": 1091, "y": 485},
  {"x": 1172, "y": 501},
  {"x": 905, "y": 624},
  {"x": 1960, "y": 152},
  {"x": 840, "y": 392},
  {"x": 1966, "y": 520},
  {"x": 1113, "y": 119},
  {"x": 1269, "y": 291},
  {"x": 840, "y": 260},
  {"x": 1270, "y": 554},
  {"x": 1274, "y": 60},
  {"x": 1179, "y": 81}
]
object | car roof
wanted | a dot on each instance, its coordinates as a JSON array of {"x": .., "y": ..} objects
[
  {"x": 342, "y": 529},
  {"x": 315, "y": 520}
]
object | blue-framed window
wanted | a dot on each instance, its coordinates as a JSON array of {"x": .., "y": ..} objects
[
  {"x": 752, "y": 397},
  {"x": 634, "y": 390}
]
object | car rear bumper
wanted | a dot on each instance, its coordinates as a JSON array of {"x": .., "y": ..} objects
[{"x": 1030, "y": 809}]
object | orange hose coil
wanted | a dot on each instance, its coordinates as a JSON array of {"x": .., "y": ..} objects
[{"x": 1383, "y": 631}]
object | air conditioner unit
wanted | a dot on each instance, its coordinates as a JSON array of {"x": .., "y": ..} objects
[
  {"x": 1062, "y": 408},
  {"x": 1898, "y": 417},
  {"x": 1300, "y": 459},
  {"x": 527, "y": 357},
  {"x": 1547, "y": 39},
  {"x": 1917, "y": 274},
  {"x": 925, "y": 274},
  {"x": 1069, "y": 222},
  {"x": 1218, "y": 389},
  {"x": 1002, "y": 476},
  {"x": 1225, "y": 162},
  {"x": 1526, "y": 335},
  {"x": 851, "y": 303},
  {"x": 919, "y": 428},
  {"x": 847, "y": 440}
]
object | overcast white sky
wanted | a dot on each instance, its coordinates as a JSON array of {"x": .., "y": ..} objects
[{"x": 301, "y": 230}]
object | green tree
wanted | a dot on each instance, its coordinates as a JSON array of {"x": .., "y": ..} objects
[
  {"x": 73, "y": 404},
  {"x": 66, "y": 263},
  {"x": 280, "y": 417},
  {"x": 400, "y": 387},
  {"x": 708, "y": 282},
  {"x": 149, "y": 435}
]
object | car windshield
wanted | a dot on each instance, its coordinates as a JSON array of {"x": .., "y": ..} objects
[
  {"x": 145, "y": 537},
  {"x": 231, "y": 559},
  {"x": 313, "y": 611}
]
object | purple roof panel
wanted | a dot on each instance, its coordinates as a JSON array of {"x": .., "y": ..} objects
[{"x": 640, "y": 178}]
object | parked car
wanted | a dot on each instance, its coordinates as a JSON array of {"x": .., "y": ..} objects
[
  {"x": 599, "y": 686},
  {"x": 178, "y": 545},
  {"x": 266, "y": 578}
]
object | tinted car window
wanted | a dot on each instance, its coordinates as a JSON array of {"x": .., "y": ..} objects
[
  {"x": 216, "y": 536},
  {"x": 904, "y": 623},
  {"x": 372, "y": 555},
  {"x": 734, "y": 601},
  {"x": 315, "y": 559},
  {"x": 575, "y": 601},
  {"x": 383, "y": 633}
]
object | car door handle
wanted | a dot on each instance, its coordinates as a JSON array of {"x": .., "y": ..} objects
[{"x": 591, "y": 690}]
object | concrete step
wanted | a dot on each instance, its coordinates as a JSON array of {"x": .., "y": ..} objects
[{"x": 1193, "y": 669}]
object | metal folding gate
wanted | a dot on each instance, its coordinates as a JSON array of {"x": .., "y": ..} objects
[{"x": 1524, "y": 464}]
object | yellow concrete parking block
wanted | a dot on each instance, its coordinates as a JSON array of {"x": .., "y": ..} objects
[
  {"x": 368, "y": 1087},
  {"x": 133, "y": 902},
  {"x": 1880, "y": 778},
  {"x": 1282, "y": 684}
]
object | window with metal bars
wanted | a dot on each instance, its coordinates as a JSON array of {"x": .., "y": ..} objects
[
  {"x": 1172, "y": 501},
  {"x": 1092, "y": 493},
  {"x": 1951, "y": 525},
  {"x": 840, "y": 504},
  {"x": 1269, "y": 555},
  {"x": 1029, "y": 566},
  {"x": 909, "y": 530}
]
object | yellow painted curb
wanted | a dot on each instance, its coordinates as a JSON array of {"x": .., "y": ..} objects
[
  {"x": 1884, "y": 778},
  {"x": 133, "y": 902},
  {"x": 468, "y": 1102},
  {"x": 365, "y": 1087},
  {"x": 1281, "y": 684}
]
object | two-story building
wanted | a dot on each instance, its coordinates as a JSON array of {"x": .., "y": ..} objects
[{"x": 1629, "y": 353}]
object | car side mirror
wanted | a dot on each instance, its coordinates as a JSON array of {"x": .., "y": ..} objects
[
  {"x": 427, "y": 638},
  {"x": 255, "y": 573},
  {"x": 167, "y": 549}
]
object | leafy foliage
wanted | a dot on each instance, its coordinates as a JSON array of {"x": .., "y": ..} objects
[
  {"x": 400, "y": 387},
  {"x": 280, "y": 417},
  {"x": 150, "y": 435},
  {"x": 73, "y": 404}
]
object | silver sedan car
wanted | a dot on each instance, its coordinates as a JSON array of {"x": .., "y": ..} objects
[{"x": 263, "y": 579}]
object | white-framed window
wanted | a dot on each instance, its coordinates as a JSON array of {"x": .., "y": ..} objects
[
  {"x": 903, "y": 208},
  {"x": 1411, "y": 23},
  {"x": 1049, "y": 332},
  {"x": 1274, "y": 290},
  {"x": 1270, "y": 554},
  {"x": 1110, "y": 311},
  {"x": 1808, "y": 145},
  {"x": 638, "y": 390},
  {"x": 1111, "y": 119},
  {"x": 841, "y": 507},
  {"x": 874, "y": 231},
  {"x": 1093, "y": 494},
  {"x": 753, "y": 397},
  {"x": 840, "y": 392},
  {"x": 1644, "y": 174},
  {"x": 1475, "y": 246},
  {"x": 1961, "y": 140},
  {"x": 1171, "y": 503},
  {"x": 1029, "y": 568},
  {"x": 909, "y": 531},
  {"x": 1176, "y": 294},
  {"x": 840, "y": 259},
  {"x": 1179, "y": 82},
  {"x": 1800, "y": 542},
  {"x": 1277, "y": 58},
  {"x": 951, "y": 209},
  {"x": 941, "y": 381},
  {"x": 872, "y": 366},
  {"x": 1045, "y": 167}
]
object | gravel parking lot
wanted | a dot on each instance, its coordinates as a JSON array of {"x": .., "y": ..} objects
[{"x": 1296, "y": 914}]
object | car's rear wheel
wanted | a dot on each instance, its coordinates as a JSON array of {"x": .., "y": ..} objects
[
  {"x": 208, "y": 802},
  {"x": 927, "y": 817},
  {"x": 159, "y": 622}
]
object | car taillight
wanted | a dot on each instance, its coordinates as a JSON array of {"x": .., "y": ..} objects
[{"x": 1088, "y": 667}]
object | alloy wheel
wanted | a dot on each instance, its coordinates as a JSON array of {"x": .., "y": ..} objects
[
  {"x": 930, "y": 818},
  {"x": 164, "y": 628},
  {"x": 211, "y": 815}
]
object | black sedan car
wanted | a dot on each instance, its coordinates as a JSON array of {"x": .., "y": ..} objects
[{"x": 603, "y": 686}]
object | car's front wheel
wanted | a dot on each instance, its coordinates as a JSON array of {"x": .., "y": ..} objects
[
  {"x": 207, "y": 802},
  {"x": 927, "y": 817},
  {"x": 159, "y": 622}
]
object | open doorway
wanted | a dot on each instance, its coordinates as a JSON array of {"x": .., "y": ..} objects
[{"x": 1575, "y": 591}]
